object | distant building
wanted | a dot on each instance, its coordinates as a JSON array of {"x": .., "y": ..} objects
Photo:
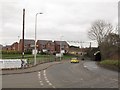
[
  {"x": 28, "y": 44},
  {"x": 7, "y": 48},
  {"x": 45, "y": 45},
  {"x": 74, "y": 50},
  {"x": 14, "y": 46},
  {"x": 50, "y": 46},
  {"x": 63, "y": 45}
]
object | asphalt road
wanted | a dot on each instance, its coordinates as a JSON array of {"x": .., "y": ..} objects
[{"x": 85, "y": 74}]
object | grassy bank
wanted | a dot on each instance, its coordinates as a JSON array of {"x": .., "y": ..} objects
[{"x": 111, "y": 64}]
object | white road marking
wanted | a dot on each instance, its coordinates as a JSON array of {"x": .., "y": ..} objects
[
  {"x": 91, "y": 67},
  {"x": 46, "y": 79},
  {"x": 40, "y": 81},
  {"x": 50, "y": 84},
  {"x": 38, "y": 72},
  {"x": 81, "y": 79},
  {"x": 39, "y": 76},
  {"x": 53, "y": 86},
  {"x": 44, "y": 74},
  {"x": 41, "y": 84},
  {"x": 44, "y": 71}
]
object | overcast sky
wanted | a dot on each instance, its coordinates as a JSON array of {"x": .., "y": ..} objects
[{"x": 68, "y": 18}]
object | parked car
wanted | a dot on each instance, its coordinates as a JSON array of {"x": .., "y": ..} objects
[{"x": 74, "y": 60}]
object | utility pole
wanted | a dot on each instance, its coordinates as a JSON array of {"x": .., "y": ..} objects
[{"x": 23, "y": 34}]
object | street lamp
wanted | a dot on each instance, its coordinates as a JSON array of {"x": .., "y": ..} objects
[
  {"x": 35, "y": 52},
  {"x": 18, "y": 43},
  {"x": 61, "y": 47}
]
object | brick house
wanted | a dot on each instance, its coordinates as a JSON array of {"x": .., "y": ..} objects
[
  {"x": 74, "y": 50},
  {"x": 61, "y": 44},
  {"x": 28, "y": 44},
  {"x": 50, "y": 46},
  {"x": 7, "y": 48},
  {"x": 45, "y": 45},
  {"x": 14, "y": 46},
  {"x": 42, "y": 46}
]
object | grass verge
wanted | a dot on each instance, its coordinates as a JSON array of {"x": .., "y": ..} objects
[
  {"x": 111, "y": 64},
  {"x": 40, "y": 58}
]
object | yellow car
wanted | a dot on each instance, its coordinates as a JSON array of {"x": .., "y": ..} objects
[{"x": 74, "y": 60}]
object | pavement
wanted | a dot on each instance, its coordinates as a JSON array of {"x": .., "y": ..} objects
[{"x": 36, "y": 68}]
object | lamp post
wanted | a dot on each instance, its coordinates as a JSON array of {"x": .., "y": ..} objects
[
  {"x": 18, "y": 43},
  {"x": 61, "y": 47},
  {"x": 35, "y": 52}
]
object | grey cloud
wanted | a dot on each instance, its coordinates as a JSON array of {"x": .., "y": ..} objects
[{"x": 70, "y": 18}]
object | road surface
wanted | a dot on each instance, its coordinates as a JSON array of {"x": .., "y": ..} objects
[{"x": 85, "y": 74}]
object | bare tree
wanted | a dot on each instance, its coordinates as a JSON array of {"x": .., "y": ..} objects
[
  {"x": 110, "y": 46},
  {"x": 99, "y": 30}
]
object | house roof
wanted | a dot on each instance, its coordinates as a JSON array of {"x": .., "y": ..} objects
[
  {"x": 7, "y": 46},
  {"x": 52, "y": 43},
  {"x": 43, "y": 42},
  {"x": 14, "y": 43},
  {"x": 74, "y": 48},
  {"x": 28, "y": 41},
  {"x": 61, "y": 42}
]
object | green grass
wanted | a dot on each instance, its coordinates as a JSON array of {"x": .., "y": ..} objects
[
  {"x": 39, "y": 57},
  {"x": 18, "y": 56},
  {"x": 111, "y": 63},
  {"x": 29, "y": 57},
  {"x": 67, "y": 56}
]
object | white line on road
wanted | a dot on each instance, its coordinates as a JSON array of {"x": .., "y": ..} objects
[
  {"x": 38, "y": 72},
  {"x": 81, "y": 79},
  {"x": 41, "y": 83},
  {"x": 46, "y": 79},
  {"x": 53, "y": 86},
  {"x": 39, "y": 76},
  {"x": 50, "y": 84},
  {"x": 44, "y": 71}
]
